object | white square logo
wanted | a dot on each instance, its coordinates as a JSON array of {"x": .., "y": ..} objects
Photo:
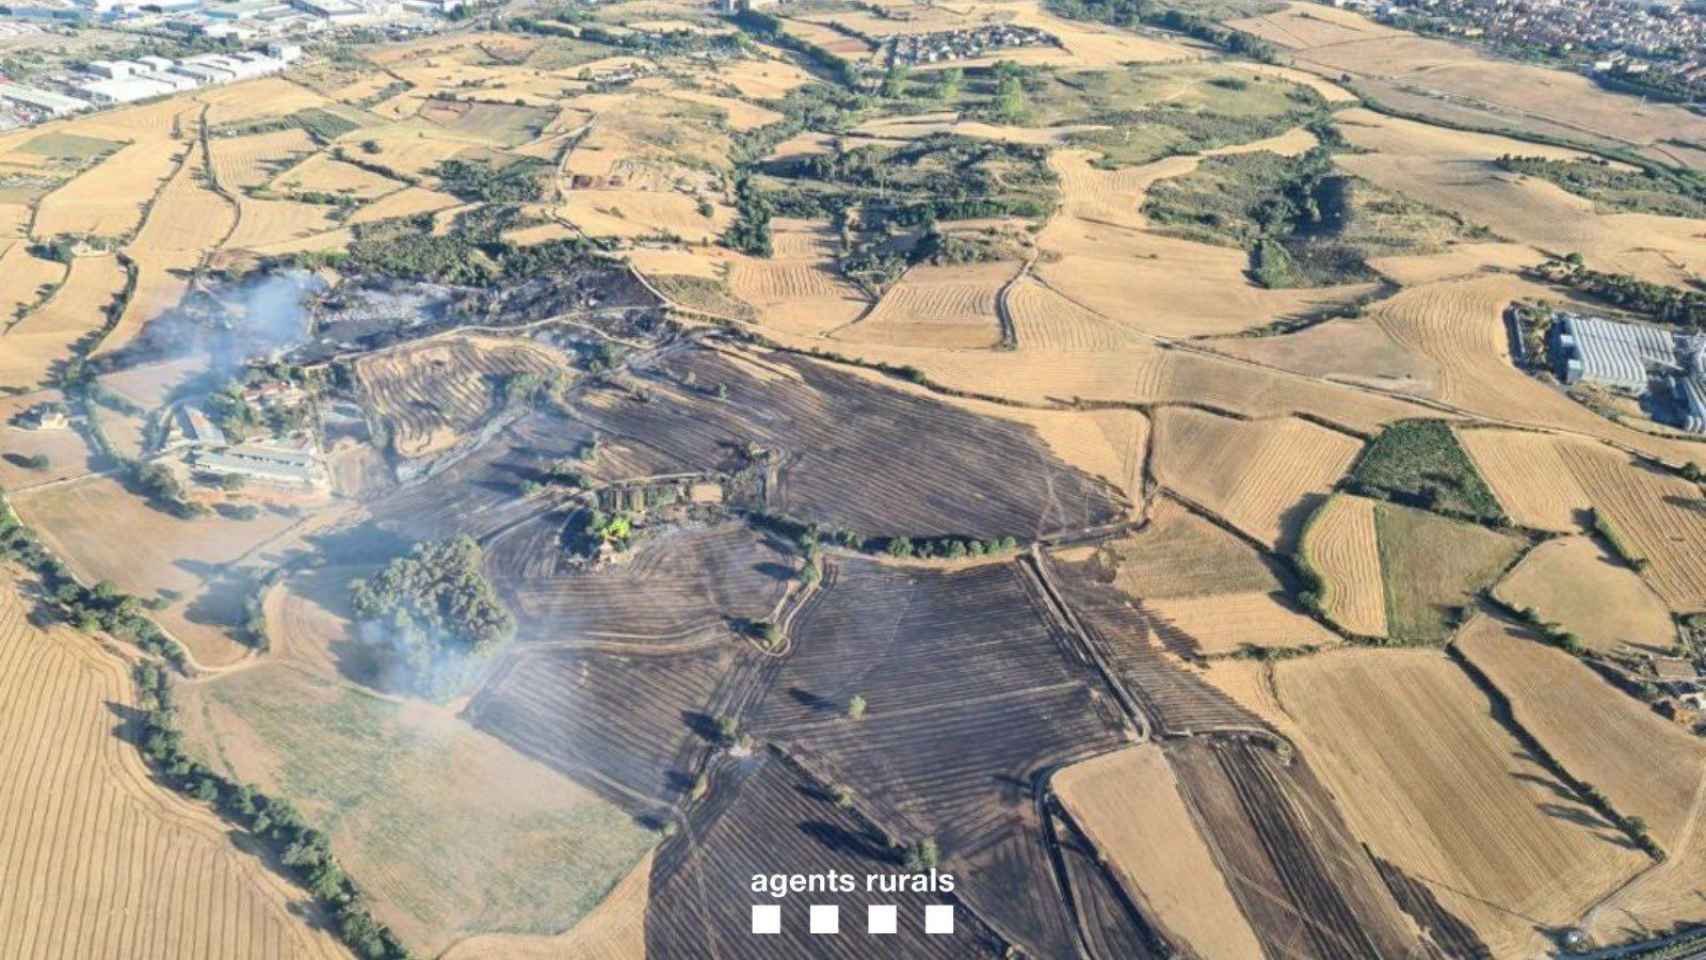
[
  {"x": 939, "y": 918},
  {"x": 766, "y": 918},
  {"x": 826, "y": 918},
  {"x": 881, "y": 918}
]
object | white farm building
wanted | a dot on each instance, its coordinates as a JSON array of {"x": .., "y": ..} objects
[{"x": 1630, "y": 357}]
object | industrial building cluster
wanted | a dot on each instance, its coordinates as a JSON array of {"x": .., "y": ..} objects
[{"x": 1633, "y": 358}]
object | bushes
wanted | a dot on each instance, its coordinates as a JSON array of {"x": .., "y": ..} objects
[
  {"x": 517, "y": 182},
  {"x": 1420, "y": 463},
  {"x": 1620, "y": 544},
  {"x": 1650, "y": 190}
]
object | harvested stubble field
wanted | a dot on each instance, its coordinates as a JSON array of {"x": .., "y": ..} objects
[
  {"x": 1645, "y": 765},
  {"x": 322, "y": 173},
  {"x": 941, "y": 307},
  {"x": 760, "y": 813},
  {"x": 1022, "y": 703},
  {"x": 1439, "y": 788},
  {"x": 1662, "y": 516},
  {"x": 1529, "y": 476},
  {"x": 628, "y": 726},
  {"x": 1432, "y": 568},
  {"x": 1341, "y": 545},
  {"x": 108, "y": 200},
  {"x": 630, "y": 214},
  {"x": 243, "y": 162},
  {"x": 264, "y": 222},
  {"x": 1301, "y": 878},
  {"x": 452, "y": 833},
  {"x": 200, "y": 561},
  {"x": 1161, "y": 859},
  {"x": 1177, "y": 553},
  {"x": 1440, "y": 75},
  {"x": 1045, "y": 320},
  {"x": 1263, "y": 476},
  {"x": 828, "y": 428},
  {"x": 1232, "y": 622},
  {"x": 1574, "y": 582},
  {"x": 30, "y": 349},
  {"x": 27, "y": 275},
  {"x": 101, "y": 861},
  {"x": 1352, "y": 350},
  {"x": 430, "y": 394}
]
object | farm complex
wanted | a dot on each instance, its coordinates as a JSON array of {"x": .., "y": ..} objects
[{"x": 661, "y": 479}]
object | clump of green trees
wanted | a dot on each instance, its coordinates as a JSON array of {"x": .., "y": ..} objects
[{"x": 438, "y": 612}]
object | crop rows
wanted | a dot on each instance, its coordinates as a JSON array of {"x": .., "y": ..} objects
[
  {"x": 626, "y": 727},
  {"x": 431, "y": 393},
  {"x": 1663, "y": 517},
  {"x": 1528, "y": 475},
  {"x": 108, "y": 200},
  {"x": 1045, "y": 320},
  {"x": 95, "y": 860},
  {"x": 1341, "y": 545},
  {"x": 1304, "y": 883},
  {"x": 860, "y": 455},
  {"x": 761, "y": 283},
  {"x": 760, "y": 818},
  {"x": 241, "y": 162}
]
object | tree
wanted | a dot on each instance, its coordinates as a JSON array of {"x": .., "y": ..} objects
[
  {"x": 38, "y": 462},
  {"x": 923, "y": 855},
  {"x": 948, "y": 84},
  {"x": 728, "y": 728},
  {"x": 856, "y": 707},
  {"x": 843, "y": 797},
  {"x": 894, "y": 81},
  {"x": 232, "y": 482},
  {"x": 1010, "y": 99}
]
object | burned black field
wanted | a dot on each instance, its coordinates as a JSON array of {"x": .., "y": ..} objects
[{"x": 717, "y": 631}]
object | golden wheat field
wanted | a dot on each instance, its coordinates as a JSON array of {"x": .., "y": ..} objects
[
  {"x": 108, "y": 200},
  {"x": 1159, "y": 857},
  {"x": 196, "y": 566},
  {"x": 1528, "y": 475},
  {"x": 29, "y": 280},
  {"x": 1658, "y": 514},
  {"x": 1574, "y": 582},
  {"x": 1045, "y": 320},
  {"x": 101, "y": 861},
  {"x": 632, "y": 214},
  {"x": 1179, "y": 554},
  {"x": 243, "y": 162},
  {"x": 1340, "y": 544},
  {"x": 30, "y": 348},
  {"x": 1646, "y": 766},
  {"x": 1449, "y": 796},
  {"x": 1233, "y": 622},
  {"x": 941, "y": 307},
  {"x": 1263, "y": 476}
]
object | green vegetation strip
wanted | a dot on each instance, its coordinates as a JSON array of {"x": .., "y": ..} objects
[{"x": 1420, "y": 463}]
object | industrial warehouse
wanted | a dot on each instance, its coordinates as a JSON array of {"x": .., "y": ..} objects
[{"x": 1631, "y": 358}]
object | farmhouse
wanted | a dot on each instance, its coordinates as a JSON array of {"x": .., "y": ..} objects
[
  {"x": 44, "y": 416},
  {"x": 268, "y": 464}
]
